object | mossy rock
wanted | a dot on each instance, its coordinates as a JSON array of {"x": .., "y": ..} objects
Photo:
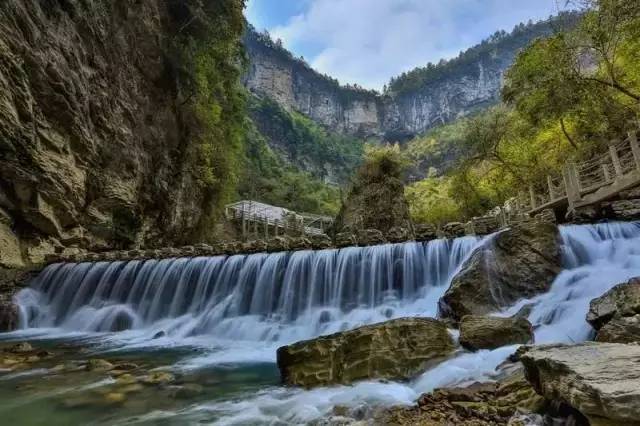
[{"x": 396, "y": 349}]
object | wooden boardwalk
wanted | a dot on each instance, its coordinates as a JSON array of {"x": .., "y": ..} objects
[
  {"x": 264, "y": 218},
  {"x": 590, "y": 182}
]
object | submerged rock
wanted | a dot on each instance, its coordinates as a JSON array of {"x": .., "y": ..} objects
[
  {"x": 158, "y": 378},
  {"x": 396, "y": 349},
  {"x": 600, "y": 380},
  {"x": 616, "y": 314},
  {"x": 20, "y": 348},
  {"x": 98, "y": 365},
  {"x": 484, "y": 332},
  {"x": 517, "y": 263}
]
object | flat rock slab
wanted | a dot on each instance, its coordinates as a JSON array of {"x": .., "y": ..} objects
[
  {"x": 396, "y": 349},
  {"x": 601, "y": 380}
]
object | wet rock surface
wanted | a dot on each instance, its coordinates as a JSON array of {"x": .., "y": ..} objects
[
  {"x": 484, "y": 332},
  {"x": 616, "y": 314},
  {"x": 600, "y": 380},
  {"x": 517, "y": 263},
  {"x": 505, "y": 402},
  {"x": 396, "y": 349}
]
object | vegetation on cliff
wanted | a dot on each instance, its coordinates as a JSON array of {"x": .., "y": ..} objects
[
  {"x": 305, "y": 144},
  {"x": 376, "y": 199},
  {"x": 488, "y": 50},
  {"x": 268, "y": 178},
  {"x": 208, "y": 59},
  {"x": 565, "y": 97}
]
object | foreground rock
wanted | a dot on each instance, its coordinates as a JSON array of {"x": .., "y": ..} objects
[
  {"x": 396, "y": 349},
  {"x": 484, "y": 332},
  {"x": 600, "y": 380},
  {"x": 500, "y": 403},
  {"x": 616, "y": 314},
  {"x": 520, "y": 262}
]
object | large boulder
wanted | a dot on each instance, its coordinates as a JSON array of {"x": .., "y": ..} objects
[
  {"x": 616, "y": 314},
  {"x": 484, "y": 332},
  {"x": 600, "y": 380},
  {"x": 517, "y": 263},
  {"x": 396, "y": 349},
  {"x": 376, "y": 199}
]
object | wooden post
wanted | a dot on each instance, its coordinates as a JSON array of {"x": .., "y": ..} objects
[
  {"x": 532, "y": 195},
  {"x": 572, "y": 184},
  {"x": 635, "y": 149},
  {"x": 266, "y": 228},
  {"x": 613, "y": 151},
  {"x": 550, "y": 186},
  {"x": 607, "y": 175}
]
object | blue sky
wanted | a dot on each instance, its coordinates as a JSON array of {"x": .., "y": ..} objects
[{"x": 369, "y": 41}]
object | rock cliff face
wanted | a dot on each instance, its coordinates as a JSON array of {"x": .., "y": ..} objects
[
  {"x": 275, "y": 73},
  {"x": 92, "y": 135},
  {"x": 464, "y": 85}
]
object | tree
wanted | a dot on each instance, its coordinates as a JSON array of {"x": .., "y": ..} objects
[{"x": 545, "y": 83}]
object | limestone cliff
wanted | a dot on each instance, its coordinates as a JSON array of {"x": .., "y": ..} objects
[
  {"x": 275, "y": 73},
  {"x": 415, "y": 101},
  {"x": 94, "y": 134}
]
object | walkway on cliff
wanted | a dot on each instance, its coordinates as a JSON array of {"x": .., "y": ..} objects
[
  {"x": 589, "y": 182},
  {"x": 256, "y": 217}
]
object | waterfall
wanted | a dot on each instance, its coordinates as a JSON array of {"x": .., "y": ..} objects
[
  {"x": 238, "y": 309},
  {"x": 278, "y": 297},
  {"x": 596, "y": 258}
]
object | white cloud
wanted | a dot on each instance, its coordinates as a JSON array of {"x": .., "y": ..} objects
[{"x": 368, "y": 41}]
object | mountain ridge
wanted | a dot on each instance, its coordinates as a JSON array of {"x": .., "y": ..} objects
[{"x": 415, "y": 102}]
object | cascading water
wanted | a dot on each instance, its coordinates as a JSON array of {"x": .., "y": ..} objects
[
  {"x": 241, "y": 308},
  {"x": 280, "y": 297}
]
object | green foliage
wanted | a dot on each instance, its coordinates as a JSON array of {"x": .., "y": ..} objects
[
  {"x": 382, "y": 162},
  {"x": 565, "y": 97},
  {"x": 430, "y": 201},
  {"x": 437, "y": 151},
  {"x": 376, "y": 199},
  {"x": 207, "y": 57},
  {"x": 269, "y": 179},
  {"x": 306, "y": 144}
]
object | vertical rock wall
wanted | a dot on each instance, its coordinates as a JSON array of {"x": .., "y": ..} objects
[{"x": 92, "y": 135}]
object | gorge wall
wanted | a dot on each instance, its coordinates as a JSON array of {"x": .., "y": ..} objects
[
  {"x": 94, "y": 132},
  {"x": 415, "y": 102}
]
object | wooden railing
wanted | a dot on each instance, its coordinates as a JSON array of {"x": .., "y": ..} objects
[
  {"x": 580, "y": 184},
  {"x": 604, "y": 175}
]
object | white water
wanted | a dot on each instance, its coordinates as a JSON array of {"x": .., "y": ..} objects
[{"x": 243, "y": 307}]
